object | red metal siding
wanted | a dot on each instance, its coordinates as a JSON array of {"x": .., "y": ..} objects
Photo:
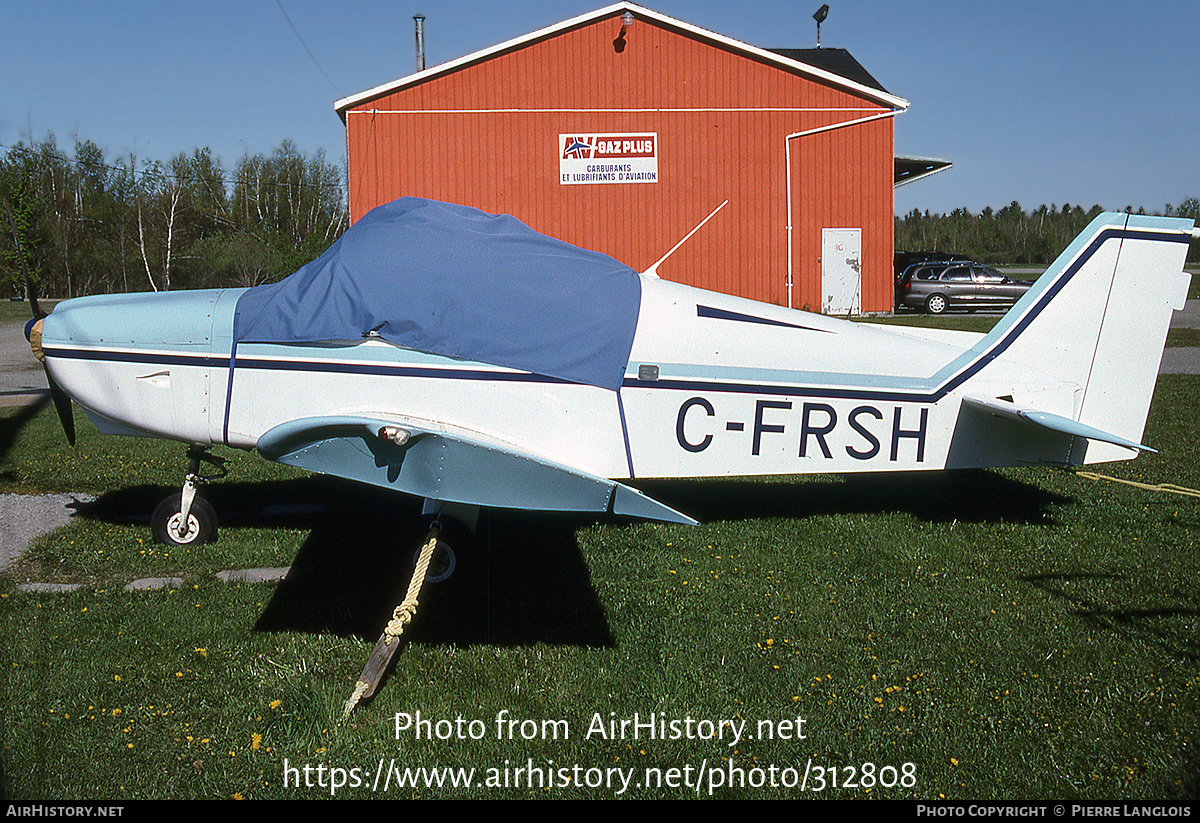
[{"x": 487, "y": 135}]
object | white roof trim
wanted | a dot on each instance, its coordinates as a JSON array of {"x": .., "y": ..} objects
[{"x": 638, "y": 11}]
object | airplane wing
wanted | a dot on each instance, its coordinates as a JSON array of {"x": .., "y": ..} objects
[{"x": 445, "y": 466}]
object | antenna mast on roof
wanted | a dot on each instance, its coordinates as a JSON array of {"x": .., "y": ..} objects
[{"x": 820, "y": 16}]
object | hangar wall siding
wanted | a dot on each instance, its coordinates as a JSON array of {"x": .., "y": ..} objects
[{"x": 489, "y": 134}]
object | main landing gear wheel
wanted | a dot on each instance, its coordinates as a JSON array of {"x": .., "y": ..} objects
[
  {"x": 936, "y": 304},
  {"x": 169, "y": 528},
  {"x": 453, "y": 529},
  {"x": 451, "y": 532},
  {"x": 441, "y": 565}
]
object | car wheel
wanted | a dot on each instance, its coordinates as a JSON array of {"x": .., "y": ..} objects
[
  {"x": 167, "y": 526},
  {"x": 936, "y": 304}
]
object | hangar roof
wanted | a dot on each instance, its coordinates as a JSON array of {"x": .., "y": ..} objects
[
  {"x": 909, "y": 169},
  {"x": 833, "y": 67},
  {"x": 835, "y": 61}
]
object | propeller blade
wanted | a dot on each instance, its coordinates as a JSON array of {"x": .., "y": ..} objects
[
  {"x": 62, "y": 400},
  {"x": 62, "y": 404}
]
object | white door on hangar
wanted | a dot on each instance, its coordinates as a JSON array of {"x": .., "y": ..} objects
[{"x": 841, "y": 271}]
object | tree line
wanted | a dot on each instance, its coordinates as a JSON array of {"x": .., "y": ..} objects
[
  {"x": 87, "y": 224},
  {"x": 1012, "y": 235}
]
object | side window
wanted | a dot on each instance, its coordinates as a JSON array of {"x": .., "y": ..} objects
[
  {"x": 958, "y": 274},
  {"x": 988, "y": 276}
]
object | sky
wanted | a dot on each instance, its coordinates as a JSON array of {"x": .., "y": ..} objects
[{"x": 1036, "y": 102}]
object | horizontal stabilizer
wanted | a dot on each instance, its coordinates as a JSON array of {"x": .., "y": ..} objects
[
  {"x": 630, "y": 502},
  {"x": 1053, "y": 422},
  {"x": 441, "y": 465}
]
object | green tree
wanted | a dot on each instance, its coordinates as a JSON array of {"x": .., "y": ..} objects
[{"x": 294, "y": 204}]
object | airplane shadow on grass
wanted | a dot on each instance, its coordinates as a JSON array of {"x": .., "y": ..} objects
[
  {"x": 965, "y": 495},
  {"x": 523, "y": 578},
  {"x": 518, "y": 581}
]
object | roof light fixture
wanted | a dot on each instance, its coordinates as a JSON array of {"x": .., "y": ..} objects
[{"x": 819, "y": 15}]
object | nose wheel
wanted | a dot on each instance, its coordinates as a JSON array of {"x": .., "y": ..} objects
[
  {"x": 186, "y": 519},
  {"x": 171, "y": 527}
]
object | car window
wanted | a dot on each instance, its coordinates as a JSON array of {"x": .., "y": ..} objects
[
  {"x": 988, "y": 276},
  {"x": 957, "y": 274}
]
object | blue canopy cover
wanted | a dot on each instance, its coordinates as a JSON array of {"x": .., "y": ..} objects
[{"x": 455, "y": 281}]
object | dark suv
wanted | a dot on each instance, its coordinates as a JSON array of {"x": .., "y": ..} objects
[{"x": 937, "y": 287}]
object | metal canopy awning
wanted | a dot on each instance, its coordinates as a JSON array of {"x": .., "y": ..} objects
[{"x": 908, "y": 169}]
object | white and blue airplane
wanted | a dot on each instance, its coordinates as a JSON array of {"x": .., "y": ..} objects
[{"x": 463, "y": 358}]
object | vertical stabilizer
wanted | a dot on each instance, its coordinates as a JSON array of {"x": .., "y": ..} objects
[{"x": 1098, "y": 319}]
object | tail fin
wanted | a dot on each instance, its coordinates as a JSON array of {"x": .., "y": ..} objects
[{"x": 1098, "y": 319}]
